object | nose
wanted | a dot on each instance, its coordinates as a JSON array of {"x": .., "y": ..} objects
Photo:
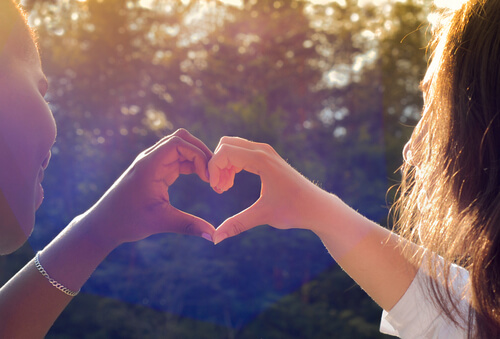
[{"x": 407, "y": 156}]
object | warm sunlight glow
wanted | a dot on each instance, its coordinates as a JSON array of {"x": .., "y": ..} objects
[
  {"x": 317, "y": 2},
  {"x": 146, "y": 3},
  {"x": 451, "y": 4},
  {"x": 233, "y": 2}
]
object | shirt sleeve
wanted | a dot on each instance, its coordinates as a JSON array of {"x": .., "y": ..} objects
[{"x": 416, "y": 316}]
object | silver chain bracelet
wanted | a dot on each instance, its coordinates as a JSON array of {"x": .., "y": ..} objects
[{"x": 53, "y": 282}]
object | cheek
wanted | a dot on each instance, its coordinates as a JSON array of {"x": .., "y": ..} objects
[
  {"x": 18, "y": 191},
  {"x": 27, "y": 132}
]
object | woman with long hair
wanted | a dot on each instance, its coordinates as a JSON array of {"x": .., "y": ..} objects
[{"x": 438, "y": 274}]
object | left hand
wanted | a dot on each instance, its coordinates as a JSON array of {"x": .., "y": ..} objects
[{"x": 287, "y": 199}]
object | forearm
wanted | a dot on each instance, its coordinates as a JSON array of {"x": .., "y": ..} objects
[
  {"x": 76, "y": 252},
  {"x": 29, "y": 304},
  {"x": 369, "y": 253}
]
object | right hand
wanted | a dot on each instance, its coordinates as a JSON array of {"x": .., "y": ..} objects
[
  {"x": 138, "y": 204},
  {"x": 287, "y": 199}
]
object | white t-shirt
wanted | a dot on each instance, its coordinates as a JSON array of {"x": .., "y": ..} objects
[{"x": 416, "y": 316}]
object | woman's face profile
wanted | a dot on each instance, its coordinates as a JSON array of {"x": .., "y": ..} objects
[
  {"x": 27, "y": 132},
  {"x": 420, "y": 130}
]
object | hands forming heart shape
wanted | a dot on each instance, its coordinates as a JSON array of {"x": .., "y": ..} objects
[{"x": 287, "y": 199}]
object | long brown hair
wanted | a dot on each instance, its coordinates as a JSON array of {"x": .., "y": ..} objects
[{"x": 449, "y": 199}]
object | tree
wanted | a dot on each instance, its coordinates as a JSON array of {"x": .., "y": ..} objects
[{"x": 315, "y": 81}]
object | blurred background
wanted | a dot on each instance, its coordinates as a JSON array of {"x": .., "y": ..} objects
[{"x": 331, "y": 85}]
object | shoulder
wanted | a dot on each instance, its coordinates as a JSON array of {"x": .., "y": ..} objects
[{"x": 416, "y": 315}]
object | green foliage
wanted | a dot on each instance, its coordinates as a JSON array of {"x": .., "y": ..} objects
[
  {"x": 319, "y": 309},
  {"x": 329, "y": 86},
  {"x": 115, "y": 319}
]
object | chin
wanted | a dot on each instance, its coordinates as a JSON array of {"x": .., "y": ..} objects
[
  {"x": 13, "y": 241},
  {"x": 14, "y": 232}
]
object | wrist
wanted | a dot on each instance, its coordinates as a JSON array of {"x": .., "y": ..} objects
[
  {"x": 321, "y": 212},
  {"x": 94, "y": 228},
  {"x": 75, "y": 253},
  {"x": 52, "y": 281},
  {"x": 343, "y": 228}
]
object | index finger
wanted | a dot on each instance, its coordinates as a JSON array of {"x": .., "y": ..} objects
[
  {"x": 244, "y": 143},
  {"x": 196, "y": 156},
  {"x": 184, "y": 134},
  {"x": 177, "y": 150}
]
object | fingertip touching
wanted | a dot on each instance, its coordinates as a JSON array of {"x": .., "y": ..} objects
[
  {"x": 230, "y": 228},
  {"x": 213, "y": 173},
  {"x": 198, "y": 227},
  {"x": 219, "y": 237}
]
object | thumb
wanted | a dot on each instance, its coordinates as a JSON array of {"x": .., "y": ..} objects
[
  {"x": 189, "y": 224},
  {"x": 239, "y": 223}
]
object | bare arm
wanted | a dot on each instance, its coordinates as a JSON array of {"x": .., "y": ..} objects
[
  {"x": 373, "y": 259},
  {"x": 368, "y": 252},
  {"x": 17, "y": 297},
  {"x": 136, "y": 206},
  {"x": 29, "y": 304}
]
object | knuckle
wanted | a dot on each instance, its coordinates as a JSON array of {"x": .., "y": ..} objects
[
  {"x": 137, "y": 166},
  {"x": 266, "y": 148},
  {"x": 237, "y": 227},
  {"x": 188, "y": 228},
  {"x": 181, "y": 132},
  {"x": 175, "y": 140},
  {"x": 221, "y": 150},
  {"x": 223, "y": 147},
  {"x": 261, "y": 155},
  {"x": 224, "y": 140},
  {"x": 142, "y": 155}
]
